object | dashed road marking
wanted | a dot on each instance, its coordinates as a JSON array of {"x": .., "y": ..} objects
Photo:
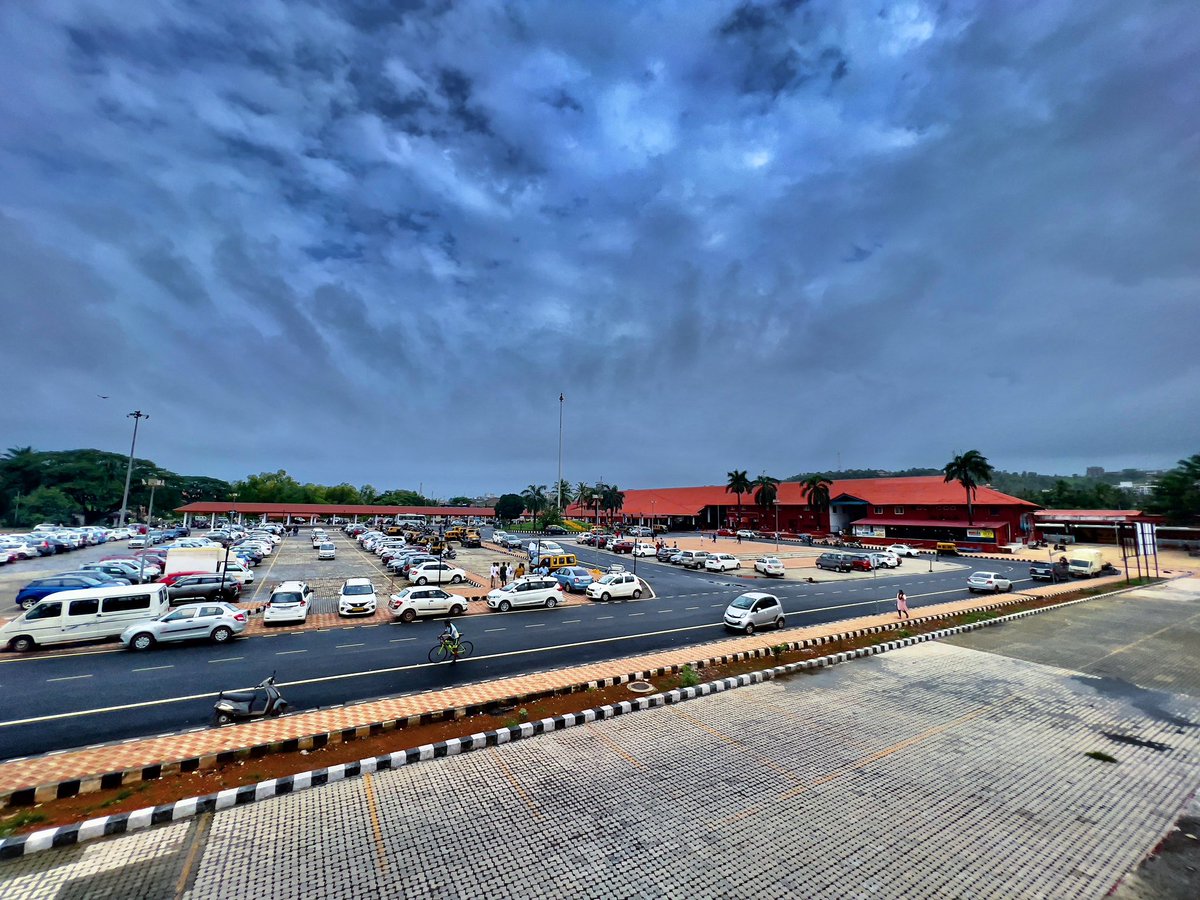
[{"x": 68, "y": 678}]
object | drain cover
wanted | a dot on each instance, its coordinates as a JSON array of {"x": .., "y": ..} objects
[{"x": 641, "y": 687}]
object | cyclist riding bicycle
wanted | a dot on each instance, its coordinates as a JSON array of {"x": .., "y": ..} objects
[{"x": 450, "y": 638}]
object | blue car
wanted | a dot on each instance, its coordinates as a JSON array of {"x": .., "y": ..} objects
[
  {"x": 573, "y": 578},
  {"x": 68, "y": 581}
]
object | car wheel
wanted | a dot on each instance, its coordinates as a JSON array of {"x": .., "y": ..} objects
[
  {"x": 606, "y": 596},
  {"x": 408, "y": 616},
  {"x": 28, "y": 603},
  {"x": 749, "y": 629},
  {"x": 457, "y": 610},
  {"x": 505, "y": 606},
  {"x": 456, "y": 579},
  {"x": 970, "y": 590},
  {"x": 142, "y": 641},
  {"x": 637, "y": 594},
  {"x": 221, "y": 635},
  {"x": 779, "y": 622},
  {"x": 22, "y": 644},
  {"x": 996, "y": 590},
  {"x": 422, "y": 580},
  {"x": 551, "y": 602}
]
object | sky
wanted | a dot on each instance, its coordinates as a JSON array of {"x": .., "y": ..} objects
[{"x": 373, "y": 241}]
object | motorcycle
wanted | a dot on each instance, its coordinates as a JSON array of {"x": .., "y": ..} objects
[
  {"x": 257, "y": 703},
  {"x": 449, "y": 553}
]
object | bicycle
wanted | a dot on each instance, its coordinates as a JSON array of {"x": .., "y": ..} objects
[{"x": 445, "y": 650}]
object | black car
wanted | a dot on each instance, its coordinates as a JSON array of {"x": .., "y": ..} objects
[
  {"x": 1050, "y": 571},
  {"x": 665, "y": 553},
  {"x": 193, "y": 588},
  {"x": 555, "y": 529}
]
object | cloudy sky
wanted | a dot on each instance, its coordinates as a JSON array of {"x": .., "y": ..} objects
[{"x": 372, "y": 240}]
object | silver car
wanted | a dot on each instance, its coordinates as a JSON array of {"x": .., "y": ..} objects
[
  {"x": 216, "y": 622},
  {"x": 754, "y": 610}
]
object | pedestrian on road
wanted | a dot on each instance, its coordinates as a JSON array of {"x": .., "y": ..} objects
[
  {"x": 714, "y": 537},
  {"x": 495, "y": 573},
  {"x": 902, "y": 605},
  {"x": 510, "y": 572},
  {"x": 739, "y": 538}
]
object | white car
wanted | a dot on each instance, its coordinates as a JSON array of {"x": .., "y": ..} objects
[
  {"x": 615, "y": 584},
  {"x": 746, "y": 533},
  {"x": 357, "y": 598},
  {"x": 754, "y": 610},
  {"x": 885, "y": 559},
  {"x": 904, "y": 550},
  {"x": 641, "y": 548},
  {"x": 437, "y": 573},
  {"x": 137, "y": 542},
  {"x": 988, "y": 581},
  {"x": 290, "y": 602},
  {"x": 721, "y": 562},
  {"x": 327, "y": 551},
  {"x": 545, "y": 548},
  {"x": 425, "y": 601},
  {"x": 531, "y": 590},
  {"x": 769, "y": 565}
]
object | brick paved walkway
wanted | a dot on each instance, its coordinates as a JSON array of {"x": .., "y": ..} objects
[
  {"x": 930, "y": 772},
  {"x": 88, "y": 764}
]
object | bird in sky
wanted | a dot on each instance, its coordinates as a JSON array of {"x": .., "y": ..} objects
[{"x": 102, "y": 396}]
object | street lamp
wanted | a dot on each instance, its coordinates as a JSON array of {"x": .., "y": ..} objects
[
  {"x": 137, "y": 415},
  {"x": 153, "y": 483},
  {"x": 776, "y": 502}
]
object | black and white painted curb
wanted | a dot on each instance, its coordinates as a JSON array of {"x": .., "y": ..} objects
[{"x": 122, "y": 823}]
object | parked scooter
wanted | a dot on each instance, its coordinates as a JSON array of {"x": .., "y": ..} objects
[{"x": 257, "y": 703}]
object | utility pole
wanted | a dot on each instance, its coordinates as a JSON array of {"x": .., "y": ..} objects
[
  {"x": 137, "y": 415},
  {"x": 560, "y": 423}
]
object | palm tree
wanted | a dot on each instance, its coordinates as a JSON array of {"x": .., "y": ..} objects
[
  {"x": 535, "y": 498},
  {"x": 739, "y": 483},
  {"x": 613, "y": 499},
  {"x": 815, "y": 489},
  {"x": 968, "y": 469},
  {"x": 767, "y": 491},
  {"x": 583, "y": 495}
]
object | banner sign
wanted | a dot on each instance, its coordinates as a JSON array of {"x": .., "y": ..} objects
[
  {"x": 870, "y": 531},
  {"x": 981, "y": 534}
]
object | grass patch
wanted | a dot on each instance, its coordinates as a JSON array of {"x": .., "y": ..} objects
[
  {"x": 1101, "y": 756},
  {"x": 981, "y": 616},
  {"x": 688, "y": 677},
  {"x": 23, "y": 819},
  {"x": 118, "y": 797}
]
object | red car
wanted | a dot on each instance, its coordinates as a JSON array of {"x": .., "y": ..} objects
[
  {"x": 860, "y": 564},
  {"x": 623, "y": 546},
  {"x": 724, "y": 532},
  {"x": 175, "y": 576}
]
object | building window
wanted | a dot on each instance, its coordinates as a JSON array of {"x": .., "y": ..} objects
[
  {"x": 879, "y": 510},
  {"x": 898, "y": 510},
  {"x": 993, "y": 511}
]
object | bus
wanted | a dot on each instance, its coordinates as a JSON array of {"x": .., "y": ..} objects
[{"x": 413, "y": 521}]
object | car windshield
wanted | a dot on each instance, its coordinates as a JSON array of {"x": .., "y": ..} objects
[
  {"x": 286, "y": 597},
  {"x": 608, "y": 579},
  {"x": 358, "y": 589},
  {"x": 327, "y": 546},
  {"x": 743, "y": 602}
]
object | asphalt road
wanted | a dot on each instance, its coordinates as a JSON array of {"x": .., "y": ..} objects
[{"x": 54, "y": 702}]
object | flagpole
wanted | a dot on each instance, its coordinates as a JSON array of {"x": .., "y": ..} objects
[{"x": 560, "y": 423}]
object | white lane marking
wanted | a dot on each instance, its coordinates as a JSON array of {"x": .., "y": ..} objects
[
  {"x": 400, "y": 640},
  {"x": 227, "y": 659},
  {"x": 489, "y": 630},
  {"x": 598, "y": 618},
  {"x": 153, "y": 668},
  {"x": 344, "y": 646},
  {"x": 68, "y": 678},
  {"x": 690, "y": 608},
  {"x": 537, "y": 625},
  {"x": 661, "y": 611},
  {"x": 286, "y": 652},
  {"x": 631, "y": 615},
  {"x": 571, "y": 621}
]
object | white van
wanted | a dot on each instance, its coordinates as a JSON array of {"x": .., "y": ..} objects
[
  {"x": 88, "y": 614},
  {"x": 238, "y": 572}
]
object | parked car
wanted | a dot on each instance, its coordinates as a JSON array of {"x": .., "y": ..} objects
[
  {"x": 834, "y": 562},
  {"x": 573, "y": 578},
  {"x": 208, "y": 586},
  {"x": 721, "y": 562},
  {"x": 988, "y": 581},
  {"x": 357, "y": 598},
  {"x": 885, "y": 559},
  {"x": 290, "y": 601},
  {"x": 904, "y": 550},
  {"x": 327, "y": 551},
  {"x": 746, "y": 533},
  {"x": 436, "y": 571},
  {"x": 641, "y": 548},
  {"x": 615, "y": 584},
  {"x": 555, "y": 529},
  {"x": 861, "y": 562},
  {"x": 664, "y": 554},
  {"x": 127, "y": 571},
  {"x": 216, "y": 622},
  {"x": 692, "y": 559},
  {"x": 85, "y": 614},
  {"x": 754, "y": 610},
  {"x": 425, "y": 601},
  {"x": 532, "y": 590},
  {"x": 769, "y": 565},
  {"x": 44, "y": 587},
  {"x": 513, "y": 542}
]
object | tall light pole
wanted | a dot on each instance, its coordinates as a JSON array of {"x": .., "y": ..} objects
[
  {"x": 776, "y": 502},
  {"x": 137, "y": 415},
  {"x": 560, "y": 421}
]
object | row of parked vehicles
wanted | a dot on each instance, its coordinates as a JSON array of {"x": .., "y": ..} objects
[{"x": 47, "y": 540}]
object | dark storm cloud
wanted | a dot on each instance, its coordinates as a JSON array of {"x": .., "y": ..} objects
[{"x": 373, "y": 241}]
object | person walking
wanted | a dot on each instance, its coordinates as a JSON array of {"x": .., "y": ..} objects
[
  {"x": 520, "y": 570},
  {"x": 501, "y": 572},
  {"x": 902, "y": 605},
  {"x": 495, "y": 573},
  {"x": 511, "y": 571}
]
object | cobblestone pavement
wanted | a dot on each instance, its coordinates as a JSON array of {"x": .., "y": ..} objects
[{"x": 935, "y": 771}]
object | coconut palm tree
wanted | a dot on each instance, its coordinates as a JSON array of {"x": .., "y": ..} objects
[
  {"x": 968, "y": 469},
  {"x": 739, "y": 483},
  {"x": 535, "y": 498},
  {"x": 767, "y": 489},
  {"x": 612, "y": 499},
  {"x": 583, "y": 495},
  {"x": 815, "y": 489}
]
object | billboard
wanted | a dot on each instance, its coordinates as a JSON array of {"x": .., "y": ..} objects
[
  {"x": 869, "y": 531},
  {"x": 980, "y": 534}
]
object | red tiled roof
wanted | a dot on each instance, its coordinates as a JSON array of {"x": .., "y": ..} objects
[
  {"x": 919, "y": 490},
  {"x": 1090, "y": 515},
  {"x": 930, "y": 523},
  {"x": 332, "y": 509}
]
